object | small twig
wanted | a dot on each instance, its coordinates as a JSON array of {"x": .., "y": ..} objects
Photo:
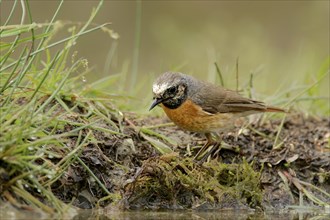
[
  {"x": 131, "y": 124},
  {"x": 259, "y": 132},
  {"x": 237, "y": 74},
  {"x": 314, "y": 187},
  {"x": 298, "y": 184},
  {"x": 275, "y": 145},
  {"x": 156, "y": 134},
  {"x": 93, "y": 175},
  {"x": 251, "y": 96},
  {"x": 286, "y": 184},
  {"x": 219, "y": 74},
  {"x": 159, "y": 125}
]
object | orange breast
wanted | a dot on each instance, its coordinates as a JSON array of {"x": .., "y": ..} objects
[{"x": 191, "y": 117}]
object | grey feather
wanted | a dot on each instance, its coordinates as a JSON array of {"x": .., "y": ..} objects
[{"x": 213, "y": 98}]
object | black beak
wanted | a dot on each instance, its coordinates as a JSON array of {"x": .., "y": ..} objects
[{"x": 155, "y": 102}]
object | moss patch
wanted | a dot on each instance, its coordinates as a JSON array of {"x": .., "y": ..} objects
[{"x": 174, "y": 182}]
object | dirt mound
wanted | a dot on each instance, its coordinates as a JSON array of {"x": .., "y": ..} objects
[{"x": 257, "y": 174}]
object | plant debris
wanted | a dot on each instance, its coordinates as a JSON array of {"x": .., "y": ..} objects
[
  {"x": 303, "y": 156},
  {"x": 146, "y": 163},
  {"x": 172, "y": 182}
]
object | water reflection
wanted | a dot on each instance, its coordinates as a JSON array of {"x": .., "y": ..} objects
[
  {"x": 209, "y": 215},
  {"x": 9, "y": 212}
]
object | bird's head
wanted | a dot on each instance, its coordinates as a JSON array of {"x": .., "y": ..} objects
[{"x": 170, "y": 89}]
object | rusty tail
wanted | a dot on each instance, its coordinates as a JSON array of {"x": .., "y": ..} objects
[{"x": 274, "y": 109}]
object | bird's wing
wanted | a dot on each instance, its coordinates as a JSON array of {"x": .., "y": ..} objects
[{"x": 215, "y": 99}]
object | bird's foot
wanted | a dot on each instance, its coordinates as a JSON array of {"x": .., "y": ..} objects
[
  {"x": 213, "y": 150},
  {"x": 216, "y": 147}
]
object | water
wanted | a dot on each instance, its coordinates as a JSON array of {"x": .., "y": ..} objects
[
  {"x": 199, "y": 215},
  {"x": 9, "y": 212}
]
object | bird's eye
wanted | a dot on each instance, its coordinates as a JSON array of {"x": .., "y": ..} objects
[{"x": 172, "y": 90}]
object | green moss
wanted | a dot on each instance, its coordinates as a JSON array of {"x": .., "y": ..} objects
[{"x": 167, "y": 180}]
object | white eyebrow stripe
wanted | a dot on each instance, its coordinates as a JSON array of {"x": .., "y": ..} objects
[{"x": 158, "y": 89}]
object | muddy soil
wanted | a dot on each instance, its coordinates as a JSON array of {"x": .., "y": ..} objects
[{"x": 254, "y": 174}]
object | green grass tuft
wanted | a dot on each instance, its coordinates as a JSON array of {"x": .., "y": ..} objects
[{"x": 44, "y": 106}]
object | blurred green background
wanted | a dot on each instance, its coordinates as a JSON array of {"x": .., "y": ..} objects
[{"x": 282, "y": 42}]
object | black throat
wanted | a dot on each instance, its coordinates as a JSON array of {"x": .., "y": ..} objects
[{"x": 175, "y": 102}]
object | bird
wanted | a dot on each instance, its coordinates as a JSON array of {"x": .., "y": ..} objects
[{"x": 202, "y": 107}]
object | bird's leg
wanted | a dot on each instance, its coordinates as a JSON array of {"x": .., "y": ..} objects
[
  {"x": 216, "y": 147},
  {"x": 206, "y": 145}
]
